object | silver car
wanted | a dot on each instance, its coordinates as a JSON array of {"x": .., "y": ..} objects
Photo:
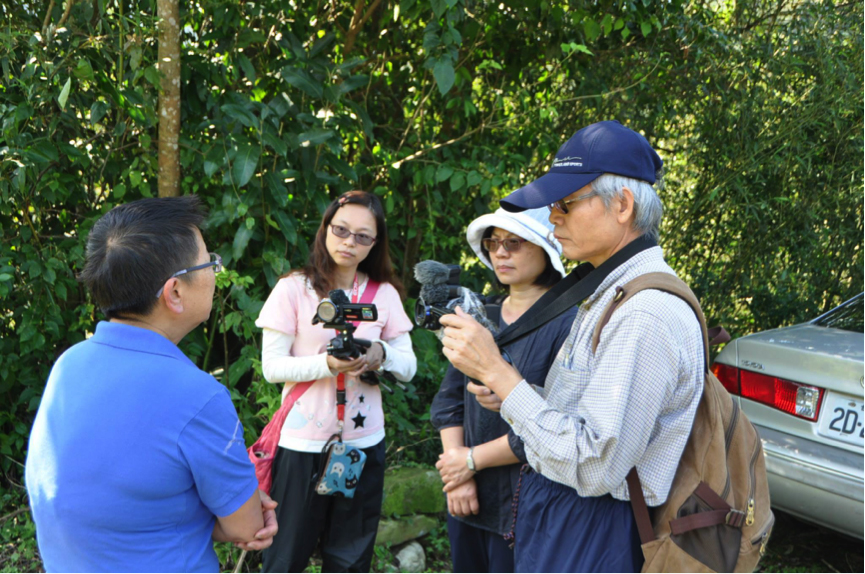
[{"x": 802, "y": 388}]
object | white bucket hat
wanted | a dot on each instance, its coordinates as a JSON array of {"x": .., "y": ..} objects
[{"x": 532, "y": 225}]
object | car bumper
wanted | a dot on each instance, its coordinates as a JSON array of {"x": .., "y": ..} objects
[{"x": 815, "y": 482}]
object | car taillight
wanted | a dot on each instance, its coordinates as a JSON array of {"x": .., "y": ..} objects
[
  {"x": 794, "y": 398},
  {"x": 800, "y": 400},
  {"x": 729, "y": 377}
]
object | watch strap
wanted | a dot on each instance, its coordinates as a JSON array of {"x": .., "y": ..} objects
[{"x": 470, "y": 461}]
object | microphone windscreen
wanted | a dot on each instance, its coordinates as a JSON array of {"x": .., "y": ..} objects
[
  {"x": 431, "y": 272},
  {"x": 435, "y": 294},
  {"x": 338, "y": 297}
]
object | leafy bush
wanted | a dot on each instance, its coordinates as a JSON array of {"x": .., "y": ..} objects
[{"x": 439, "y": 108}]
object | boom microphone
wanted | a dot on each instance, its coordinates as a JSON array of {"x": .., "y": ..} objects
[
  {"x": 431, "y": 272},
  {"x": 339, "y": 297}
]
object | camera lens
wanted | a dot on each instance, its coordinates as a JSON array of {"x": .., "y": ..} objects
[
  {"x": 421, "y": 314},
  {"x": 327, "y": 311}
]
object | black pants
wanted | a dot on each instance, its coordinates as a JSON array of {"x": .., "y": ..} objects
[
  {"x": 477, "y": 550},
  {"x": 346, "y": 527}
]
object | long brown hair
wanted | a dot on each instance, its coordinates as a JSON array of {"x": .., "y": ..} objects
[{"x": 377, "y": 265}]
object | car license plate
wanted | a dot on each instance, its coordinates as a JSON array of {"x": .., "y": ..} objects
[{"x": 843, "y": 419}]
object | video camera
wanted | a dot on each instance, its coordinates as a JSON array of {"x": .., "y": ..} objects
[
  {"x": 338, "y": 312},
  {"x": 434, "y": 297},
  {"x": 441, "y": 294}
]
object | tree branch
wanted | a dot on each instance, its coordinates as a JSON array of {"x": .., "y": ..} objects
[
  {"x": 357, "y": 22},
  {"x": 21, "y": 510},
  {"x": 368, "y": 13},
  {"x": 352, "y": 27},
  {"x": 47, "y": 19},
  {"x": 65, "y": 16}
]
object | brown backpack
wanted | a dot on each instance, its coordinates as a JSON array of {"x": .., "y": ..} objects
[{"x": 717, "y": 516}]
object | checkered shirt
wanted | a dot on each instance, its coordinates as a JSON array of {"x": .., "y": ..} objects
[{"x": 632, "y": 403}]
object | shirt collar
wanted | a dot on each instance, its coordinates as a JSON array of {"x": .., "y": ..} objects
[
  {"x": 627, "y": 271},
  {"x": 137, "y": 339}
]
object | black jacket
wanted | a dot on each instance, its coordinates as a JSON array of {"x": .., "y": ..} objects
[{"x": 453, "y": 405}]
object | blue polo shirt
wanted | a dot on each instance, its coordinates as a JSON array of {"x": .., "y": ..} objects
[{"x": 133, "y": 454}]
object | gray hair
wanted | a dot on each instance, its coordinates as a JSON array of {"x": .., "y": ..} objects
[{"x": 647, "y": 205}]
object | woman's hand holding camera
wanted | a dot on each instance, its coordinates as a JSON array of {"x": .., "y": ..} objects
[
  {"x": 374, "y": 357},
  {"x": 369, "y": 361},
  {"x": 348, "y": 366}
]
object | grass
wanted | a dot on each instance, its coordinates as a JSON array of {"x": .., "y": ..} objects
[
  {"x": 794, "y": 547},
  {"x": 799, "y": 547}
]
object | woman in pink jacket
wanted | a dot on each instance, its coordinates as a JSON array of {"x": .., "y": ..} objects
[{"x": 350, "y": 252}]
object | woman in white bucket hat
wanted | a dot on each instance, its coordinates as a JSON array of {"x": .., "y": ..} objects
[
  {"x": 516, "y": 229},
  {"x": 482, "y": 456}
]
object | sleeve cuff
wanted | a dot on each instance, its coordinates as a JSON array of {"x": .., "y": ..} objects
[
  {"x": 521, "y": 405},
  {"x": 233, "y": 504},
  {"x": 388, "y": 354},
  {"x": 448, "y": 425},
  {"x": 517, "y": 447},
  {"x": 324, "y": 368}
]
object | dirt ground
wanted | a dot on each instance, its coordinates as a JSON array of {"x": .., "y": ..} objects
[{"x": 796, "y": 546}]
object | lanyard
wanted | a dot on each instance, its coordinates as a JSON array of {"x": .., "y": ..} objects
[{"x": 340, "y": 379}]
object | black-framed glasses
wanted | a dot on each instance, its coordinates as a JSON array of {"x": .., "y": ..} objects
[
  {"x": 215, "y": 262},
  {"x": 344, "y": 232},
  {"x": 511, "y": 244},
  {"x": 562, "y": 204}
]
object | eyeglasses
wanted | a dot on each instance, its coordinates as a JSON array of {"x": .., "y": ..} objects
[
  {"x": 361, "y": 238},
  {"x": 215, "y": 262},
  {"x": 511, "y": 244},
  {"x": 562, "y": 204}
]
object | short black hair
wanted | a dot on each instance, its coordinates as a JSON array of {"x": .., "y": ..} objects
[
  {"x": 548, "y": 277},
  {"x": 134, "y": 248}
]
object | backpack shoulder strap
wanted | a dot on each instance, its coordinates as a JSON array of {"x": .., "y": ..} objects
[
  {"x": 674, "y": 286},
  {"x": 660, "y": 282}
]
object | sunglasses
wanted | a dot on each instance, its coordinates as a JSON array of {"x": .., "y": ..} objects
[
  {"x": 361, "y": 238},
  {"x": 511, "y": 244},
  {"x": 562, "y": 204}
]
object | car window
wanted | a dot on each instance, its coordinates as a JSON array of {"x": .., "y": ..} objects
[{"x": 847, "y": 316}]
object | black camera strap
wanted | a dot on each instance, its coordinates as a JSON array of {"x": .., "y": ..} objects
[{"x": 570, "y": 291}]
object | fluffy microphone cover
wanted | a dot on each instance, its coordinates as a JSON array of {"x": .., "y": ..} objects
[
  {"x": 431, "y": 272},
  {"x": 432, "y": 276},
  {"x": 338, "y": 297}
]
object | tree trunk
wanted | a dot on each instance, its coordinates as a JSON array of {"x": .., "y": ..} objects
[{"x": 169, "y": 98}]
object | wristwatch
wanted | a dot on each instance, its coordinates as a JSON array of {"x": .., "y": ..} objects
[{"x": 470, "y": 462}]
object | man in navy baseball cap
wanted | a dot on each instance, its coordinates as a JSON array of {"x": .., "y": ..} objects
[
  {"x": 624, "y": 400},
  {"x": 604, "y": 147}
]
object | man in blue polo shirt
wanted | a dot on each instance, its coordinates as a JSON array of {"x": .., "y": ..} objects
[{"x": 137, "y": 460}]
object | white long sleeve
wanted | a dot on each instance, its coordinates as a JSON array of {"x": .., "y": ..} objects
[
  {"x": 279, "y": 366},
  {"x": 399, "y": 357}
]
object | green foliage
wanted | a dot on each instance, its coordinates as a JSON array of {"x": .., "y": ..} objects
[
  {"x": 440, "y": 108},
  {"x": 18, "y": 552}
]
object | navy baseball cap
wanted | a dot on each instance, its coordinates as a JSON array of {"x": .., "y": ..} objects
[{"x": 604, "y": 147}]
